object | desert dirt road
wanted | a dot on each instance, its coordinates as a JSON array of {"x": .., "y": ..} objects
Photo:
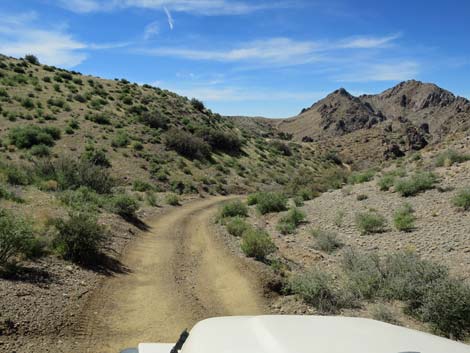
[{"x": 180, "y": 273}]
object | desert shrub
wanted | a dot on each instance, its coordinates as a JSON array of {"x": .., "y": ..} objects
[
  {"x": 79, "y": 238},
  {"x": 404, "y": 218},
  {"x": 257, "y": 243},
  {"x": 280, "y": 147},
  {"x": 326, "y": 241},
  {"x": 32, "y": 59},
  {"x": 141, "y": 186},
  {"x": 415, "y": 184},
  {"x": 386, "y": 182},
  {"x": 268, "y": 202},
  {"x": 289, "y": 223},
  {"x": 361, "y": 177},
  {"x": 370, "y": 222},
  {"x": 83, "y": 199},
  {"x": 17, "y": 174},
  {"x": 40, "y": 151},
  {"x": 198, "y": 105},
  {"x": 151, "y": 198},
  {"x": 16, "y": 236},
  {"x": 316, "y": 288},
  {"x": 234, "y": 209},
  {"x": 462, "y": 199},
  {"x": 99, "y": 118},
  {"x": 381, "y": 312},
  {"x": 154, "y": 119},
  {"x": 31, "y": 135},
  {"x": 299, "y": 201},
  {"x": 97, "y": 157},
  {"x": 252, "y": 199},
  {"x": 172, "y": 200},
  {"x": 187, "y": 144},
  {"x": 72, "y": 174},
  {"x": 124, "y": 205},
  {"x": 7, "y": 194},
  {"x": 361, "y": 197},
  {"x": 120, "y": 140},
  {"x": 446, "y": 307},
  {"x": 220, "y": 140},
  {"x": 237, "y": 226},
  {"x": 450, "y": 157}
]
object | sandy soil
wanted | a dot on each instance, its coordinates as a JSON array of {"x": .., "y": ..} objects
[{"x": 180, "y": 273}]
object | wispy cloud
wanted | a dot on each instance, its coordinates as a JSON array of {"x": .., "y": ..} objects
[
  {"x": 368, "y": 42},
  {"x": 171, "y": 23},
  {"x": 151, "y": 30},
  {"x": 21, "y": 35},
  {"x": 202, "y": 7},
  {"x": 391, "y": 70}
]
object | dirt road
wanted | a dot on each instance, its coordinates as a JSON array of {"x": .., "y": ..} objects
[{"x": 179, "y": 274}]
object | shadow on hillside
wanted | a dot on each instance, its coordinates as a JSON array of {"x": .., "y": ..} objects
[
  {"x": 28, "y": 274},
  {"x": 137, "y": 222}
]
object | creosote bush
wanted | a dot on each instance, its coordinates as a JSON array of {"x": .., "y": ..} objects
[
  {"x": 416, "y": 184},
  {"x": 462, "y": 199},
  {"x": 370, "y": 222},
  {"x": 404, "y": 218},
  {"x": 289, "y": 223},
  {"x": 257, "y": 243},
  {"x": 187, "y": 144},
  {"x": 234, "y": 209},
  {"x": 237, "y": 226},
  {"x": 268, "y": 202},
  {"x": 16, "y": 237},
  {"x": 326, "y": 241},
  {"x": 79, "y": 238}
]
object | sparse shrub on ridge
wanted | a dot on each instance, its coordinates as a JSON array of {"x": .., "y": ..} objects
[
  {"x": 370, "y": 222},
  {"x": 16, "y": 237},
  {"x": 361, "y": 177},
  {"x": 172, "y": 200},
  {"x": 326, "y": 241},
  {"x": 462, "y": 199},
  {"x": 419, "y": 182},
  {"x": 237, "y": 226},
  {"x": 289, "y": 223},
  {"x": 450, "y": 157},
  {"x": 404, "y": 218},
  {"x": 220, "y": 140}
]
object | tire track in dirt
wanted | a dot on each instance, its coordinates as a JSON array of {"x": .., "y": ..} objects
[{"x": 179, "y": 274}]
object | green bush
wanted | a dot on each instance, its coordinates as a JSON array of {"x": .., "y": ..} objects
[
  {"x": 404, "y": 218},
  {"x": 79, "y": 238},
  {"x": 72, "y": 174},
  {"x": 268, "y": 202},
  {"x": 257, "y": 243},
  {"x": 40, "y": 151},
  {"x": 198, "y": 105},
  {"x": 25, "y": 137},
  {"x": 172, "y": 200},
  {"x": 83, "y": 199},
  {"x": 237, "y": 226},
  {"x": 32, "y": 59},
  {"x": 361, "y": 177},
  {"x": 187, "y": 144},
  {"x": 151, "y": 198},
  {"x": 154, "y": 119},
  {"x": 381, "y": 312},
  {"x": 326, "y": 241},
  {"x": 97, "y": 157},
  {"x": 141, "y": 186},
  {"x": 289, "y": 223},
  {"x": 99, "y": 118},
  {"x": 252, "y": 199},
  {"x": 16, "y": 237},
  {"x": 450, "y": 157},
  {"x": 220, "y": 140},
  {"x": 415, "y": 184},
  {"x": 120, "y": 140},
  {"x": 370, "y": 222},
  {"x": 17, "y": 175},
  {"x": 316, "y": 288},
  {"x": 386, "y": 182},
  {"x": 462, "y": 199},
  {"x": 234, "y": 209},
  {"x": 124, "y": 205},
  {"x": 7, "y": 194}
]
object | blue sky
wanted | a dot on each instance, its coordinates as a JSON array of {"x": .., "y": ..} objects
[{"x": 248, "y": 57}]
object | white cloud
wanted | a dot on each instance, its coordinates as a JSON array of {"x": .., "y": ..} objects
[
  {"x": 151, "y": 30},
  {"x": 398, "y": 70},
  {"x": 280, "y": 51},
  {"x": 203, "y": 7},
  {"x": 171, "y": 23},
  {"x": 20, "y": 35},
  {"x": 368, "y": 42}
]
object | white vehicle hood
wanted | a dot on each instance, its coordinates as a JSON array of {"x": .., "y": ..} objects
[{"x": 311, "y": 334}]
